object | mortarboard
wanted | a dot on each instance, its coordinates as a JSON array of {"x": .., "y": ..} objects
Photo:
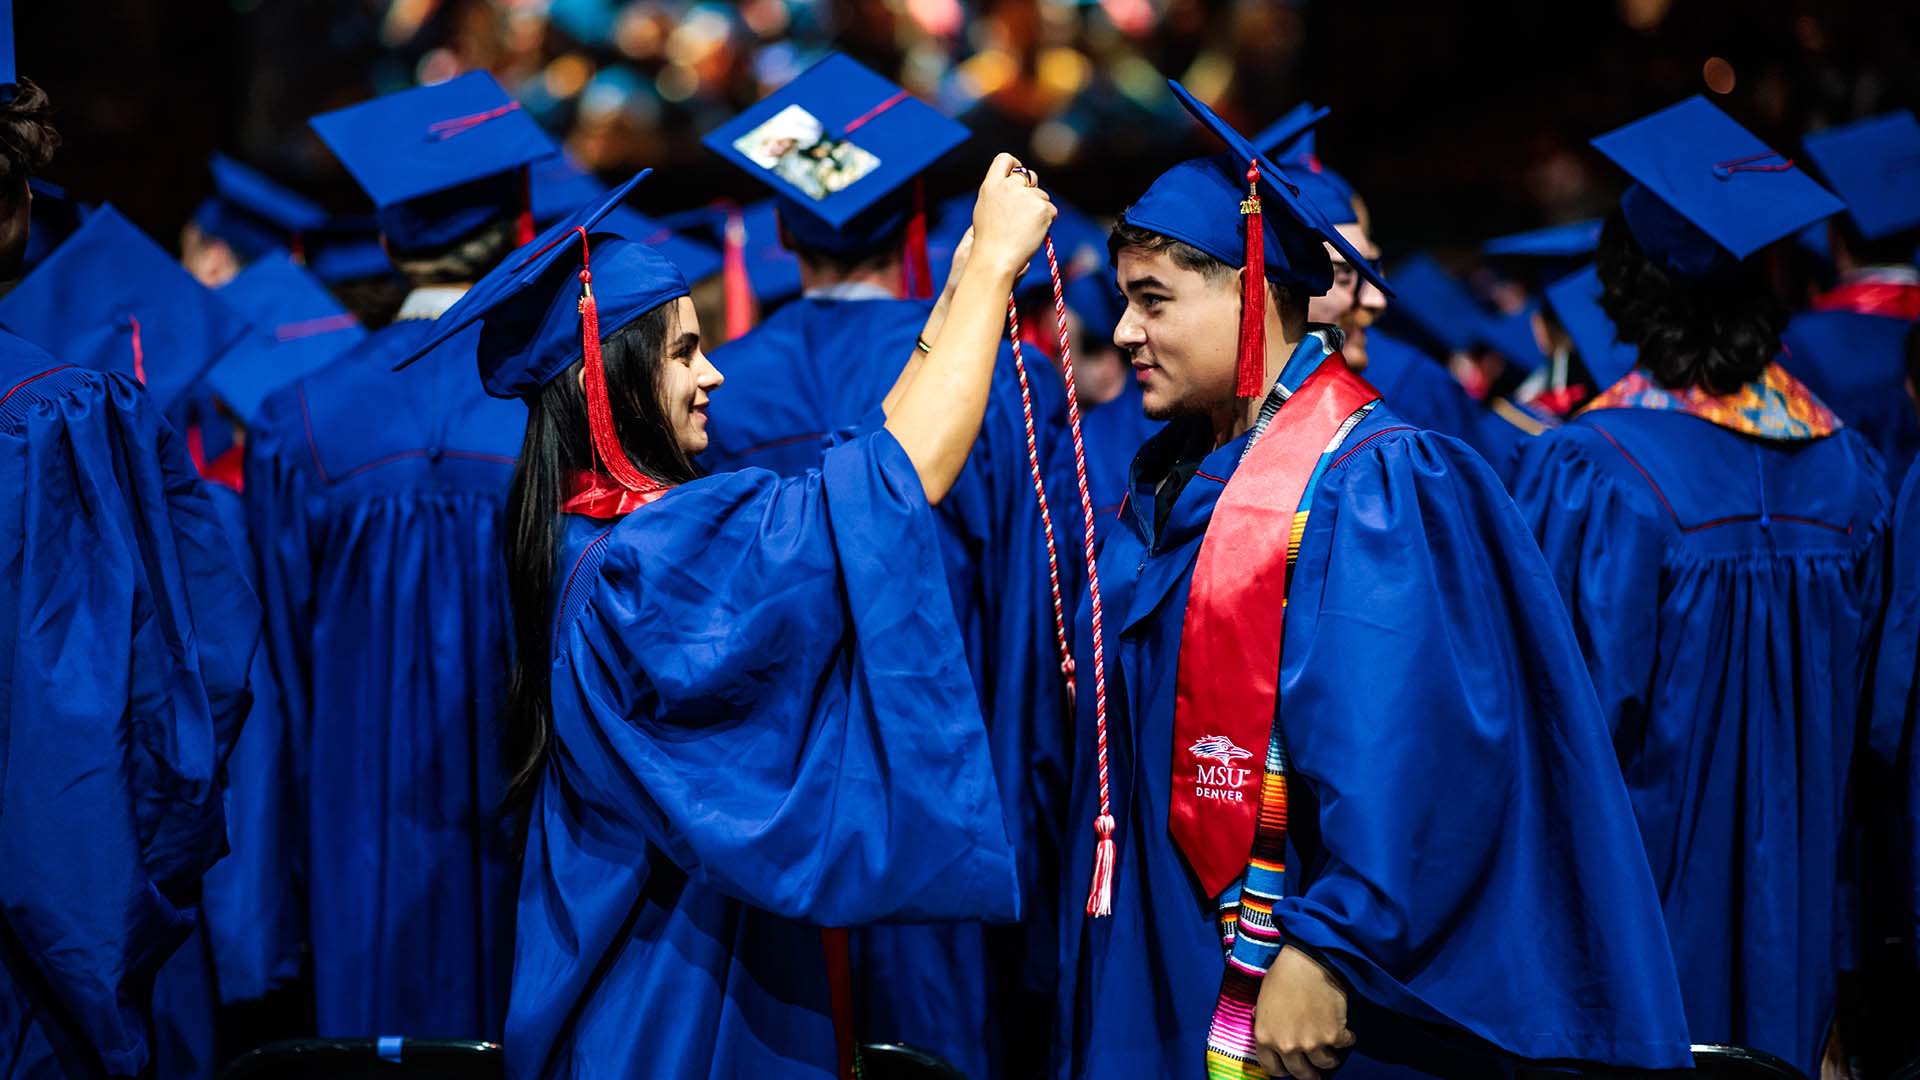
[
  {"x": 560, "y": 188},
  {"x": 544, "y": 307},
  {"x": 1290, "y": 141},
  {"x": 55, "y": 217},
  {"x": 1875, "y": 166},
  {"x": 438, "y": 161},
  {"x": 1706, "y": 192},
  {"x": 1212, "y": 204},
  {"x": 298, "y": 326},
  {"x": 1575, "y": 240},
  {"x": 1575, "y": 300},
  {"x": 1432, "y": 306},
  {"x": 346, "y": 248},
  {"x": 110, "y": 299},
  {"x": 1511, "y": 336},
  {"x": 252, "y": 213},
  {"x": 837, "y": 144},
  {"x": 9, "y": 74}
]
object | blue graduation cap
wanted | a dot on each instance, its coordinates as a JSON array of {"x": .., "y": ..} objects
[
  {"x": 110, "y": 299},
  {"x": 836, "y": 144},
  {"x": 1575, "y": 300},
  {"x": 438, "y": 161},
  {"x": 1511, "y": 336},
  {"x": 298, "y": 326},
  {"x": 560, "y": 188},
  {"x": 9, "y": 77},
  {"x": 252, "y": 213},
  {"x": 1875, "y": 166},
  {"x": 1706, "y": 192},
  {"x": 55, "y": 217},
  {"x": 1433, "y": 306},
  {"x": 551, "y": 302},
  {"x": 346, "y": 248},
  {"x": 1574, "y": 240},
  {"x": 1078, "y": 241},
  {"x": 1290, "y": 141}
]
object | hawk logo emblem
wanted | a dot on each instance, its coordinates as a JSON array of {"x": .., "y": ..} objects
[{"x": 1219, "y": 748}]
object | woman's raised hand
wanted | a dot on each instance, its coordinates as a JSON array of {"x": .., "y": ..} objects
[{"x": 1010, "y": 217}]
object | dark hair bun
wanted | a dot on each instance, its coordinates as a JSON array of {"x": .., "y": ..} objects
[
  {"x": 1717, "y": 333},
  {"x": 27, "y": 137}
]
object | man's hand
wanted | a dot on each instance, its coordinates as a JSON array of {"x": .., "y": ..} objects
[{"x": 1301, "y": 1018}]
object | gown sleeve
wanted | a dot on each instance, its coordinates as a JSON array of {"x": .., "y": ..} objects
[
  {"x": 1469, "y": 854},
  {"x": 131, "y": 632},
  {"x": 1605, "y": 554},
  {"x": 766, "y": 685}
]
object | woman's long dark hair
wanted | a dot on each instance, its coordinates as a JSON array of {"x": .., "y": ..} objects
[
  {"x": 1717, "y": 333},
  {"x": 557, "y": 445}
]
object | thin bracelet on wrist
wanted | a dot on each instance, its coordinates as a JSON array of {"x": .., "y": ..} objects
[{"x": 921, "y": 344}]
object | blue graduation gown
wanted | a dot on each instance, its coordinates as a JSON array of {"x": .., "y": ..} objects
[
  {"x": 1856, "y": 364},
  {"x": 978, "y": 996},
  {"x": 1113, "y": 431},
  {"x": 1723, "y": 588},
  {"x": 376, "y": 500},
  {"x": 1893, "y": 824},
  {"x": 1461, "y": 852},
  {"x": 1423, "y": 394},
  {"x": 126, "y": 631},
  {"x": 762, "y": 725}
]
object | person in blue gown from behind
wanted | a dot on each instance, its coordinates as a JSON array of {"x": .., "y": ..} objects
[
  {"x": 740, "y": 715},
  {"x": 375, "y": 501},
  {"x": 126, "y": 634},
  {"x": 1848, "y": 348},
  {"x": 977, "y": 996},
  {"x": 1718, "y": 538},
  {"x": 1325, "y": 866}
]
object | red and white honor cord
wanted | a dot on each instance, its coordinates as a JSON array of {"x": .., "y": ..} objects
[{"x": 1100, "y": 895}]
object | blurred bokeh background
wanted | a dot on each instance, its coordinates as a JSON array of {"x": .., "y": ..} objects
[{"x": 1456, "y": 120}]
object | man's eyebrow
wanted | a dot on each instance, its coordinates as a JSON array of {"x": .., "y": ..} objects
[{"x": 1148, "y": 282}]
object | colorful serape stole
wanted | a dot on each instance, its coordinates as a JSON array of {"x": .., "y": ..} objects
[
  {"x": 1774, "y": 406},
  {"x": 1248, "y": 933}
]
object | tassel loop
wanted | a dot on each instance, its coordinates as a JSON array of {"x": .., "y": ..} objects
[
  {"x": 1251, "y": 366},
  {"x": 1100, "y": 897}
]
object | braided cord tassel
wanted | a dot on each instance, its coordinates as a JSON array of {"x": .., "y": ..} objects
[{"x": 1100, "y": 893}]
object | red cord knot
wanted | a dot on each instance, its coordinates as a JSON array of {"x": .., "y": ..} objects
[{"x": 1103, "y": 826}]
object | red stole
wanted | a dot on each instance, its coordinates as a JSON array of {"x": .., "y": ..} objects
[
  {"x": 1229, "y": 668},
  {"x": 596, "y": 495},
  {"x": 1893, "y": 299}
]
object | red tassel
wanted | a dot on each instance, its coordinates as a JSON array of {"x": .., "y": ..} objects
[
  {"x": 297, "y": 248},
  {"x": 606, "y": 442},
  {"x": 1100, "y": 897},
  {"x": 139, "y": 354},
  {"x": 918, "y": 272},
  {"x": 738, "y": 288},
  {"x": 1253, "y": 299},
  {"x": 523, "y": 228}
]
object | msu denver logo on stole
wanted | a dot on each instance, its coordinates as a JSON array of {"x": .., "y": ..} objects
[{"x": 1222, "y": 781}]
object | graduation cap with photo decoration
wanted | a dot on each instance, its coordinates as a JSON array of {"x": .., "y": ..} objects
[
  {"x": 439, "y": 161},
  {"x": 1707, "y": 193},
  {"x": 838, "y": 145},
  {"x": 298, "y": 328},
  {"x": 111, "y": 299},
  {"x": 1875, "y": 166},
  {"x": 541, "y": 311},
  {"x": 252, "y": 213},
  {"x": 1215, "y": 204},
  {"x": 1575, "y": 300}
]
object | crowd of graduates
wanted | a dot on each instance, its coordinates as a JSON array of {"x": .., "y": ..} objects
[{"x": 1186, "y": 643}]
